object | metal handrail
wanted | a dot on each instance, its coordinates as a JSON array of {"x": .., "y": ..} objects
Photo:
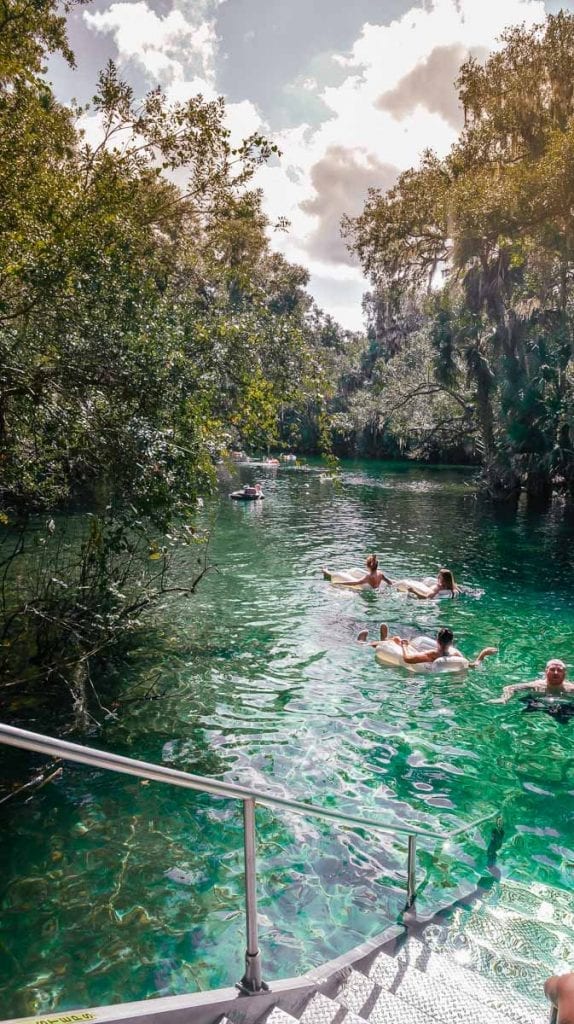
[
  {"x": 14, "y": 737},
  {"x": 251, "y": 982}
]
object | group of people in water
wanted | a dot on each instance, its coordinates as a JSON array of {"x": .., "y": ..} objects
[
  {"x": 374, "y": 577},
  {"x": 553, "y": 684}
]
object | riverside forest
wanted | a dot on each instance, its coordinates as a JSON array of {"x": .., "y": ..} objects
[
  {"x": 148, "y": 328},
  {"x": 196, "y": 462}
]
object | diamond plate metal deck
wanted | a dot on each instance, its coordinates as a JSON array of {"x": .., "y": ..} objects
[
  {"x": 278, "y": 1016},
  {"x": 498, "y": 942},
  {"x": 489, "y": 989},
  {"x": 357, "y": 992},
  {"x": 433, "y": 995},
  {"x": 533, "y": 926},
  {"x": 322, "y": 1010},
  {"x": 480, "y": 964},
  {"x": 379, "y": 1007},
  {"x": 390, "y": 1009}
]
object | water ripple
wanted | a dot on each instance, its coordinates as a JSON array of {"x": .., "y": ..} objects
[{"x": 270, "y": 689}]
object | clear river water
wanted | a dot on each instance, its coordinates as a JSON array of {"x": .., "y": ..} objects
[{"x": 114, "y": 889}]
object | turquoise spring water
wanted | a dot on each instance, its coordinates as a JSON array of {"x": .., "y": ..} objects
[{"x": 266, "y": 687}]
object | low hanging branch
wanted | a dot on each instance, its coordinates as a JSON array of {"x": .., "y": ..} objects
[
  {"x": 429, "y": 388},
  {"x": 42, "y": 778}
]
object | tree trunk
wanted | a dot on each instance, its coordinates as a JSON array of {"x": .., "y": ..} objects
[
  {"x": 538, "y": 486},
  {"x": 501, "y": 482}
]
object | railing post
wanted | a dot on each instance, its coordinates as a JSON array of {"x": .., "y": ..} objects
[
  {"x": 251, "y": 982},
  {"x": 411, "y": 872}
]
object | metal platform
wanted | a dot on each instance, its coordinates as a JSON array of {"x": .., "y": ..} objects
[
  {"x": 397, "y": 979},
  {"x": 477, "y": 962}
]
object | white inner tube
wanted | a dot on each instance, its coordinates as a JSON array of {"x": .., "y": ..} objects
[
  {"x": 388, "y": 652},
  {"x": 350, "y": 576},
  {"x": 421, "y": 588}
]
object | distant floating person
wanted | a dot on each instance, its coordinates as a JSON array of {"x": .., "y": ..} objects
[{"x": 250, "y": 492}]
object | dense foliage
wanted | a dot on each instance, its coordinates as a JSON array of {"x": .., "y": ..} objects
[
  {"x": 145, "y": 326},
  {"x": 386, "y": 400},
  {"x": 490, "y": 229}
]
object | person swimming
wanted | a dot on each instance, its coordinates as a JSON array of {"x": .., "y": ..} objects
[
  {"x": 444, "y": 647},
  {"x": 373, "y": 577},
  {"x": 561, "y": 710},
  {"x": 444, "y": 581},
  {"x": 252, "y": 490},
  {"x": 554, "y": 684}
]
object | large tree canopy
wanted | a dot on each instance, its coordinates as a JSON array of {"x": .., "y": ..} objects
[
  {"x": 145, "y": 327},
  {"x": 492, "y": 224}
]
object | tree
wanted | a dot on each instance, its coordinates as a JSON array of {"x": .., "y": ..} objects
[
  {"x": 143, "y": 327},
  {"x": 493, "y": 218}
]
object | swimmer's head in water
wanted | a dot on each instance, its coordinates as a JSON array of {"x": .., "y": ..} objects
[
  {"x": 446, "y": 579},
  {"x": 372, "y": 563},
  {"x": 555, "y": 672},
  {"x": 445, "y": 637}
]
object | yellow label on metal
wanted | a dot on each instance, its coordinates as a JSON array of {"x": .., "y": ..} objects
[{"x": 68, "y": 1018}]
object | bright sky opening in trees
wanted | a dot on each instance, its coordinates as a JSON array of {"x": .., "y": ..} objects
[{"x": 352, "y": 93}]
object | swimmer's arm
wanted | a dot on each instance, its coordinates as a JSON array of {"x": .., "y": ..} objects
[
  {"x": 354, "y": 583},
  {"x": 483, "y": 654},
  {"x": 510, "y": 690},
  {"x": 422, "y": 597},
  {"x": 416, "y": 659},
  {"x": 387, "y": 579}
]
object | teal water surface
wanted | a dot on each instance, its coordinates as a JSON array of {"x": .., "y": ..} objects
[{"x": 114, "y": 890}]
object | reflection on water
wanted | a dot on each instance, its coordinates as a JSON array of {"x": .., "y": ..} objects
[{"x": 117, "y": 890}]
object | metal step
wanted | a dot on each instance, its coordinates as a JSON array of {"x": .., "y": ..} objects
[
  {"x": 376, "y": 1005},
  {"x": 530, "y": 924},
  {"x": 529, "y": 940},
  {"x": 534, "y": 900},
  {"x": 322, "y": 1010},
  {"x": 490, "y": 989},
  {"x": 277, "y": 1016},
  {"x": 495, "y": 941},
  {"x": 433, "y": 995}
]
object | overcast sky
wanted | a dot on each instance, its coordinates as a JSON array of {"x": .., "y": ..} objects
[{"x": 351, "y": 90}]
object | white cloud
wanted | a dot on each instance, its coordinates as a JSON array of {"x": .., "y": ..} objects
[
  {"x": 341, "y": 298},
  {"x": 314, "y": 186},
  {"x": 181, "y": 89},
  {"x": 396, "y": 100},
  {"x": 168, "y": 48},
  {"x": 178, "y": 51},
  {"x": 92, "y": 128},
  {"x": 243, "y": 119}
]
